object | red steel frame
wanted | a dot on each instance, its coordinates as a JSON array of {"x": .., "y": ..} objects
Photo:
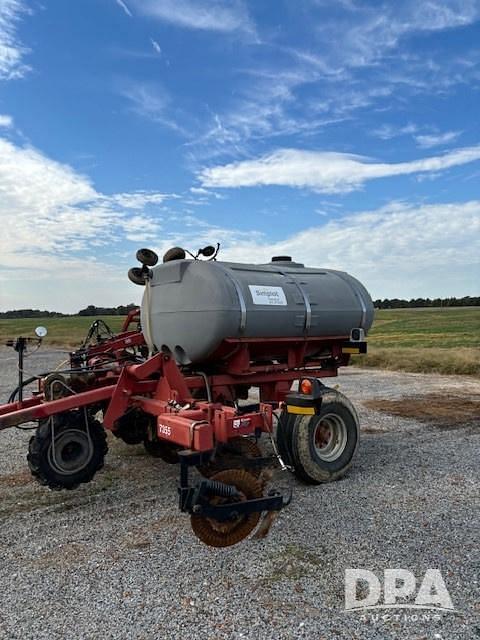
[{"x": 160, "y": 388}]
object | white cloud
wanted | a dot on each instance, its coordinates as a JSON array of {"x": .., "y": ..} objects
[
  {"x": 261, "y": 110},
  {"x": 45, "y": 206},
  {"x": 11, "y": 50},
  {"x": 376, "y": 31},
  {"x": 398, "y": 250},
  {"x": 60, "y": 243},
  {"x": 141, "y": 228},
  {"x": 156, "y": 46},
  {"x": 205, "y": 194},
  {"x": 295, "y": 89},
  {"x": 327, "y": 172},
  {"x": 213, "y": 15},
  {"x": 30, "y": 180},
  {"x": 65, "y": 284},
  {"x": 435, "y": 140},
  {"x": 200, "y": 191},
  {"x": 424, "y": 141},
  {"x": 387, "y": 131},
  {"x": 139, "y": 199},
  {"x": 6, "y": 121},
  {"x": 124, "y": 7},
  {"x": 56, "y": 227},
  {"x": 151, "y": 102}
]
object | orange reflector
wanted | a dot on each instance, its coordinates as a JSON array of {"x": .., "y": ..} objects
[{"x": 306, "y": 387}]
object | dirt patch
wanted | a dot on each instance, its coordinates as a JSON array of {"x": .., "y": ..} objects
[
  {"x": 373, "y": 429},
  {"x": 442, "y": 410},
  {"x": 18, "y": 479}
]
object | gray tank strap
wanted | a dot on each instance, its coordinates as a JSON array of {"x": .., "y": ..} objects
[
  {"x": 358, "y": 295},
  {"x": 240, "y": 296},
  {"x": 306, "y": 301}
]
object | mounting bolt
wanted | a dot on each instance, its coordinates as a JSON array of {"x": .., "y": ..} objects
[{"x": 197, "y": 508}]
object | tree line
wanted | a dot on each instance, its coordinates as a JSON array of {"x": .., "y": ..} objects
[
  {"x": 29, "y": 313},
  {"x": 396, "y": 303},
  {"x": 123, "y": 310},
  {"x": 91, "y": 310}
]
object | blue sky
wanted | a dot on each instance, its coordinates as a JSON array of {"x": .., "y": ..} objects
[{"x": 346, "y": 134}]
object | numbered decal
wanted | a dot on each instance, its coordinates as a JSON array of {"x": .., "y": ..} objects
[{"x": 164, "y": 430}]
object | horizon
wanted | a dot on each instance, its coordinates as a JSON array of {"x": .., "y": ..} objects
[
  {"x": 130, "y": 123},
  {"x": 375, "y": 301}
]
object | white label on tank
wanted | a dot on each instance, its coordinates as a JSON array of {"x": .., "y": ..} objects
[{"x": 262, "y": 294}]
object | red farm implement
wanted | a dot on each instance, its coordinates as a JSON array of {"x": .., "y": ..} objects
[{"x": 196, "y": 417}]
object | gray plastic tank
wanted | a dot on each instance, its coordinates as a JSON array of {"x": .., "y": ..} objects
[{"x": 195, "y": 305}]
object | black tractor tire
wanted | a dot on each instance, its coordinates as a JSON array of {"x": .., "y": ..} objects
[
  {"x": 77, "y": 455},
  {"x": 164, "y": 450},
  {"x": 133, "y": 426},
  {"x": 286, "y": 422},
  {"x": 321, "y": 447}
]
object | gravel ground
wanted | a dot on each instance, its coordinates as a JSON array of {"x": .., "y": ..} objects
[{"x": 116, "y": 559}]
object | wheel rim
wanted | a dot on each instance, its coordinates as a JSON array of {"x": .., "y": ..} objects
[
  {"x": 71, "y": 453},
  {"x": 330, "y": 437}
]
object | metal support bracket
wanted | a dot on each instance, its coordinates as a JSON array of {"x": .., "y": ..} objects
[{"x": 195, "y": 499}]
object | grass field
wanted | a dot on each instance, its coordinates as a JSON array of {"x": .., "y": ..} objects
[
  {"x": 441, "y": 340},
  {"x": 67, "y": 332},
  {"x": 445, "y": 340}
]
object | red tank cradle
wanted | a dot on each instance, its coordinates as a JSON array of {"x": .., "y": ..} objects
[{"x": 161, "y": 388}]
